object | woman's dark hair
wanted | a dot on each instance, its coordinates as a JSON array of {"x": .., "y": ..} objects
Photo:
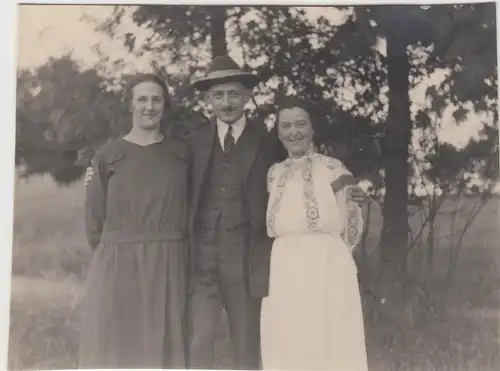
[
  {"x": 289, "y": 102},
  {"x": 150, "y": 77}
]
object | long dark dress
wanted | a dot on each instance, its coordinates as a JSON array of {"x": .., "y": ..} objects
[{"x": 136, "y": 222}]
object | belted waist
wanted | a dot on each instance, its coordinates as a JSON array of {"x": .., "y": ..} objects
[{"x": 125, "y": 236}]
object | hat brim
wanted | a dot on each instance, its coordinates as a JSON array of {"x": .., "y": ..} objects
[{"x": 247, "y": 79}]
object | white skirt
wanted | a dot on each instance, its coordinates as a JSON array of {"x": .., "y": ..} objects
[{"x": 312, "y": 318}]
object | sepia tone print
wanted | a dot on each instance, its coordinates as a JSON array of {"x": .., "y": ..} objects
[{"x": 256, "y": 187}]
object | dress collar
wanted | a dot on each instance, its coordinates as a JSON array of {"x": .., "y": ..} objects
[{"x": 310, "y": 152}]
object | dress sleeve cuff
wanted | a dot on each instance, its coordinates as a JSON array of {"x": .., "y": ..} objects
[{"x": 354, "y": 226}]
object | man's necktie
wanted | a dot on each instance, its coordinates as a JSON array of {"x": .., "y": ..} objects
[{"x": 229, "y": 140}]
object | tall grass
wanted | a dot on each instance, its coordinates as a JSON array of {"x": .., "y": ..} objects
[{"x": 48, "y": 233}]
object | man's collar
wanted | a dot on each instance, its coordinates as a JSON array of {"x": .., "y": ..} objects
[{"x": 238, "y": 125}]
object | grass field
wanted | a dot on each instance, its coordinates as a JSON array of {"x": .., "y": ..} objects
[{"x": 50, "y": 258}]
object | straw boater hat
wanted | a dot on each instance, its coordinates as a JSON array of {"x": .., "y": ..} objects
[{"x": 223, "y": 69}]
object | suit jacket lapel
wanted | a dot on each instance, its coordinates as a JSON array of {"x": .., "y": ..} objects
[
  {"x": 250, "y": 141},
  {"x": 204, "y": 154}
]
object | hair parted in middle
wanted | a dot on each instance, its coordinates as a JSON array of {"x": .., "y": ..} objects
[{"x": 151, "y": 77}]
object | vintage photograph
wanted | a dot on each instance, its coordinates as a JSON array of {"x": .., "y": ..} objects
[{"x": 256, "y": 188}]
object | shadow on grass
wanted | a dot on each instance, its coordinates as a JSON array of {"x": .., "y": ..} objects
[
  {"x": 465, "y": 338},
  {"x": 46, "y": 337}
]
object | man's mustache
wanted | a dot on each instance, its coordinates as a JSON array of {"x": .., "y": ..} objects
[{"x": 228, "y": 109}]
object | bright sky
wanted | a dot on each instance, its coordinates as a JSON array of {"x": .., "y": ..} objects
[
  {"x": 46, "y": 31},
  {"x": 52, "y": 30}
]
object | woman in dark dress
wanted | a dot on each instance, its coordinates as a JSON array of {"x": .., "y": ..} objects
[{"x": 136, "y": 224}]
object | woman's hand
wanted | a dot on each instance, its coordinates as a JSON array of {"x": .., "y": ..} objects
[
  {"x": 356, "y": 194},
  {"x": 89, "y": 174}
]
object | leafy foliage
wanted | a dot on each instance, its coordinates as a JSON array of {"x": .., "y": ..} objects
[
  {"x": 340, "y": 68},
  {"x": 60, "y": 111}
]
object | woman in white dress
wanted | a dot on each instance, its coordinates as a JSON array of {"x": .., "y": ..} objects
[{"x": 312, "y": 318}]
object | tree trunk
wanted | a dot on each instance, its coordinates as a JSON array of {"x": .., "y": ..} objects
[
  {"x": 394, "y": 240},
  {"x": 218, "y": 30}
]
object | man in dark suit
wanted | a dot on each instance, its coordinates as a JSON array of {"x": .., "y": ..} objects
[{"x": 230, "y": 250}]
